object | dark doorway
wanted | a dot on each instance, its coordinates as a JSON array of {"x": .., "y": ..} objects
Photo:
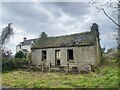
[
  {"x": 57, "y": 62},
  {"x": 70, "y": 54},
  {"x": 44, "y": 55}
]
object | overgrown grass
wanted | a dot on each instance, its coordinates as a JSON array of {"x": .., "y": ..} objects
[{"x": 106, "y": 76}]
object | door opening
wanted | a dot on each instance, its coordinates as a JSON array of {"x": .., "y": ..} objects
[{"x": 57, "y": 57}]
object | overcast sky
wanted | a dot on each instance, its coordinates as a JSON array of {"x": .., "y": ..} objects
[{"x": 55, "y": 18}]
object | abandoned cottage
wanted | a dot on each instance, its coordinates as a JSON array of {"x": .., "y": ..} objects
[{"x": 75, "y": 49}]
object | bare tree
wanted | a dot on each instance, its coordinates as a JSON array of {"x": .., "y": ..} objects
[
  {"x": 110, "y": 4},
  {"x": 7, "y": 32},
  {"x": 116, "y": 9}
]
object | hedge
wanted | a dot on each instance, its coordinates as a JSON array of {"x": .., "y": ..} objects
[{"x": 10, "y": 64}]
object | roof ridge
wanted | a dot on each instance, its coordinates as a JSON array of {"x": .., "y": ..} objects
[{"x": 69, "y": 34}]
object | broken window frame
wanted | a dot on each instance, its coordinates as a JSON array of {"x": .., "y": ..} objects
[
  {"x": 57, "y": 57},
  {"x": 44, "y": 55},
  {"x": 57, "y": 54},
  {"x": 69, "y": 53}
]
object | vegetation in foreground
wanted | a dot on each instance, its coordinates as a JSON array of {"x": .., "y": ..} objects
[
  {"x": 13, "y": 63},
  {"x": 106, "y": 76}
]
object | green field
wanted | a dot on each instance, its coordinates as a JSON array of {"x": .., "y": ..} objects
[{"x": 106, "y": 76}]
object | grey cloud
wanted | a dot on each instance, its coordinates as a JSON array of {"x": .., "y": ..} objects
[
  {"x": 35, "y": 18},
  {"x": 74, "y": 8},
  {"x": 71, "y": 8},
  {"x": 25, "y": 11},
  {"x": 27, "y": 17},
  {"x": 24, "y": 15},
  {"x": 52, "y": 7}
]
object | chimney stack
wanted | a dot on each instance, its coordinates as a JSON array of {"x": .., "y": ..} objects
[{"x": 24, "y": 39}]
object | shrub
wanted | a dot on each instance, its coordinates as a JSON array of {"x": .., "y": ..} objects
[
  {"x": 10, "y": 64},
  {"x": 20, "y": 54}
]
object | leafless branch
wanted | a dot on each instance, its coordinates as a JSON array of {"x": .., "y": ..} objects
[
  {"x": 110, "y": 18},
  {"x": 99, "y": 7}
]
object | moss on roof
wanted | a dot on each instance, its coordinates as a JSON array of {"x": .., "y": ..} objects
[{"x": 86, "y": 38}]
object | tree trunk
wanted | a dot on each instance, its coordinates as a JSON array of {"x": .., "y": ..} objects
[{"x": 119, "y": 23}]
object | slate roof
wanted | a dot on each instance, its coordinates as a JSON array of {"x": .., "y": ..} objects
[
  {"x": 79, "y": 39},
  {"x": 27, "y": 42},
  {"x": 24, "y": 50}
]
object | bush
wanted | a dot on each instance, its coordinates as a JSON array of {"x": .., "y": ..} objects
[
  {"x": 20, "y": 54},
  {"x": 10, "y": 64}
]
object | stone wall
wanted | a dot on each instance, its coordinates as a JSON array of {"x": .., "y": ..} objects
[
  {"x": 82, "y": 55},
  {"x": 98, "y": 52}
]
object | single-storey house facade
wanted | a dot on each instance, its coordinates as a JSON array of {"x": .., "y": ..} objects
[{"x": 77, "y": 49}]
